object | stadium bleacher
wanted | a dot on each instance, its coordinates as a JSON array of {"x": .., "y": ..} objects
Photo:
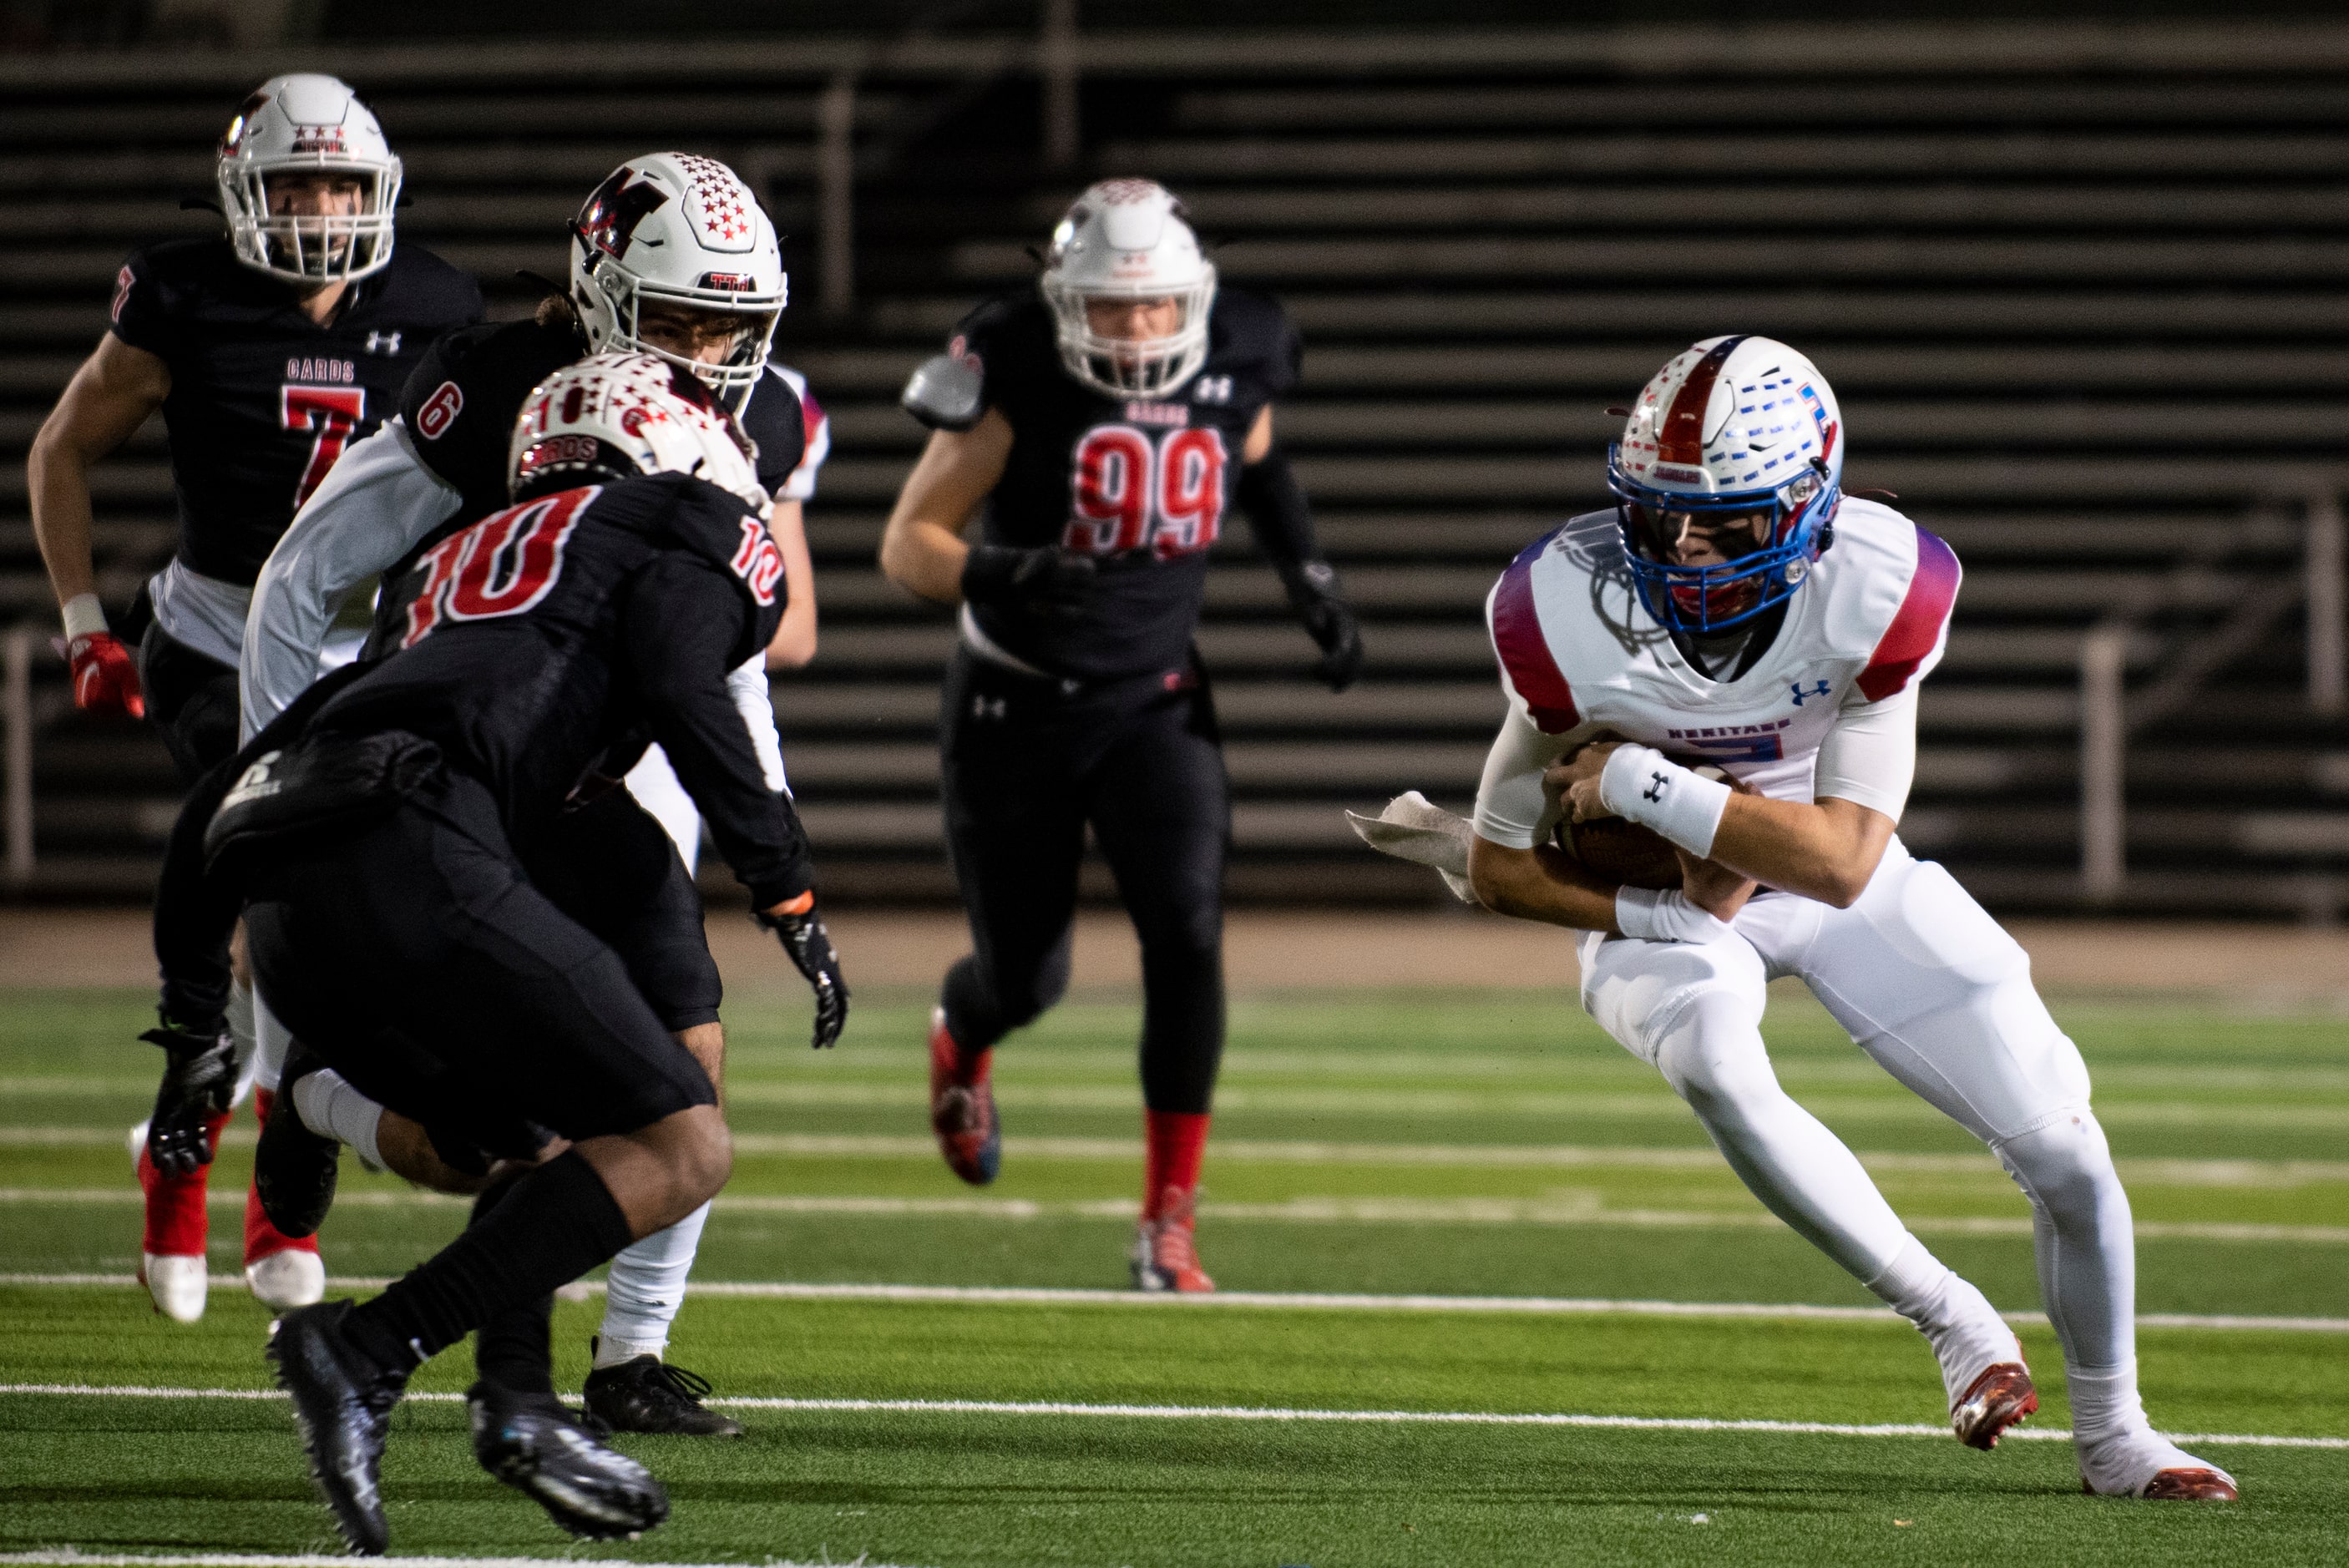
[{"x": 2083, "y": 309}]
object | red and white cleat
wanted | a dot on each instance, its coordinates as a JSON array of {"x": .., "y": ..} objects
[
  {"x": 2000, "y": 1398},
  {"x": 177, "y": 1283},
  {"x": 962, "y": 1107},
  {"x": 1165, "y": 1253},
  {"x": 2140, "y": 1462}
]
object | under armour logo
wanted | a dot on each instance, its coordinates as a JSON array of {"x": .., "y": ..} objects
[
  {"x": 383, "y": 343},
  {"x": 1803, "y": 693},
  {"x": 1655, "y": 792},
  {"x": 1213, "y": 389},
  {"x": 987, "y": 708}
]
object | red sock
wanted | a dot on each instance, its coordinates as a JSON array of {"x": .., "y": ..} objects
[
  {"x": 1173, "y": 1143},
  {"x": 175, "y": 1205},
  {"x": 965, "y": 1069},
  {"x": 261, "y": 1237}
]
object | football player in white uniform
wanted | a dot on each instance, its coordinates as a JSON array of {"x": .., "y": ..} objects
[
  {"x": 1736, "y": 609},
  {"x": 673, "y": 256}
]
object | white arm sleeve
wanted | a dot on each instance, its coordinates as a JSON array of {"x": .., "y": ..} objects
[
  {"x": 1869, "y": 757},
  {"x": 374, "y": 506},
  {"x": 1510, "y": 808},
  {"x": 748, "y": 687}
]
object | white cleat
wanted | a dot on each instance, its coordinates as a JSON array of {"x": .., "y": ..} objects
[
  {"x": 287, "y": 1279},
  {"x": 2138, "y": 1461},
  {"x": 137, "y": 1144},
  {"x": 177, "y": 1284}
]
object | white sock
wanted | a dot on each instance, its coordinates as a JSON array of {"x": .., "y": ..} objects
[
  {"x": 2103, "y": 1400},
  {"x": 2085, "y": 1239},
  {"x": 645, "y": 1289},
  {"x": 333, "y": 1108},
  {"x": 1966, "y": 1333},
  {"x": 242, "y": 1031}
]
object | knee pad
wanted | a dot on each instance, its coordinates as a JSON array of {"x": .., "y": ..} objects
[
  {"x": 2065, "y": 1167},
  {"x": 1711, "y": 1053},
  {"x": 1638, "y": 991}
]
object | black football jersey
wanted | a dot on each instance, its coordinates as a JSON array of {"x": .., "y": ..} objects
[
  {"x": 460, "y": 404},
  {"x": 263, "y": 399},
  {"x": 1146, "y": 486},
  {"x": 551, "y": 640}
]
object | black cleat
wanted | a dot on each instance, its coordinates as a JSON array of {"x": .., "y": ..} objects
[
  {"x": 533, "y": 1444},
  {"x": 647, "y": 1394},
  {"x": 342, "y": 1403},
  {"x": 294, "y": 1169}
]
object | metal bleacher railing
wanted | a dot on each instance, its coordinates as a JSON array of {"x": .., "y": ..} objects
[{"x": 2077, "y": 286}]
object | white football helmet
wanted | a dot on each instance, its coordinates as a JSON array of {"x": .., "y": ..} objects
[
  {"x": 1730, "y": 427},
  {"x": 307, "y": 124},
  {"x": 617, "y": 415},
  {"x": 683, "y": 229},
  {"x": 1128, "y": 239}
]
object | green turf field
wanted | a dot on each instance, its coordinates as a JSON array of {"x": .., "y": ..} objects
[{"x": 1406, "y": 1144}]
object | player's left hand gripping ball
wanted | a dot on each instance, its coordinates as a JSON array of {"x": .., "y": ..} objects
[
  {"x": 105, "y": 677},
  {"x": 198, "y": 1080},
  {"x": 801, "y": 930}
]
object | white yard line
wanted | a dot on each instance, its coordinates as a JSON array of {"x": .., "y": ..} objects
[
  {"x": 71, "y": 1559},
  {"x": 1534, "y": 1305},
  {"x": 1263, "y": 1413},
  {"x": 1586, "y": 1209}
]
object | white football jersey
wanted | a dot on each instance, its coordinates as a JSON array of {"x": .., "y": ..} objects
[{"x": 1579, "y": 654}]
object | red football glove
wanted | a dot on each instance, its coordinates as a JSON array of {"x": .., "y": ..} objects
[{"x": 104, "y": 677}]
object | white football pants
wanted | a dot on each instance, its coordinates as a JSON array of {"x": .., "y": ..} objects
[{"x": 1928, "y": 986}]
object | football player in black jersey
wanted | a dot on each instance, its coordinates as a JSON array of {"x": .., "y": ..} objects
[
  {"x": 376, "y": 838},
  {"x": 670, "y": 255},
  {"x": 268, "y": 350},
  {"x": 1102, "y": 423}
]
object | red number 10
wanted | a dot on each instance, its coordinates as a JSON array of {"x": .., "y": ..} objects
[{"x": 1124, "y": 492}]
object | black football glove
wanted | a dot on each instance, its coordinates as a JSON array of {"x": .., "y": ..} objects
[
  {"x": 1330, "y": 620},
  {"x": 1047, "y": 582},
  {"x": 810, "y": 946},
  {"x": 199, "y": 1078}
]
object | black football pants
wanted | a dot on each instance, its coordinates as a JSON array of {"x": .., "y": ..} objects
[
  {"x": 1029, "y": 763},
  {"x": 416, "y": 958},
  {"x": 191, "y": 700}
]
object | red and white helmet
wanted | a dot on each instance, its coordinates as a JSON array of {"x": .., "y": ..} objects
[
  {"x": 1128, "y": 239},
  {"x": 681, "y": 228},
  {"x": 307, "y": 124},
  {"x": 617, "y": 416}
]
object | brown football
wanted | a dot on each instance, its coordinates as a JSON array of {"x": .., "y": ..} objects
[{"x": 1616, "y": 851}]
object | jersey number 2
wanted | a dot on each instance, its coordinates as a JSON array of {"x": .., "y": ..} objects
[
  {"x": 502, "y": 565},
  {"x": 333, "y": 412},
  {"x": 1126, "y": 491}
]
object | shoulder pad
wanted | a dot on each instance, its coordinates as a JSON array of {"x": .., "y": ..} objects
[{"x": 945, "y": 393}]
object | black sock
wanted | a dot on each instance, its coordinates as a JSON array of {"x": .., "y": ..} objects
[
  {"x": 515, "y": 1349},
  {"x": 548, "y": 1229}
]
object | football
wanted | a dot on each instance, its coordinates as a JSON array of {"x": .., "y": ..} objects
[{"x": 1615, "y": 850}]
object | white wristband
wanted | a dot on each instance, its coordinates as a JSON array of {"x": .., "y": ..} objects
[
  {"x": 84, "y": 615},
  {"x": 1646, "y": 787},
  {"x": 1670, "y": 915}
]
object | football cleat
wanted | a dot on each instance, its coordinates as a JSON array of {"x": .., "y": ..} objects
[
  {"x": 342, "y": 1403},
  {"x": 535, "y": 1445},
  {"x": 294, "y": 1169},
  {"x": 1165, "y": 1256},
  {"x": 2000, "y": 1398},
  {"x": 2138, "y": 1461},
  {"x": 962, "y": 1107},
  {"x": 289, "y": 1279},
  {"x": 646, "y": 1393},
  {"x": 177, "y": 1284}
]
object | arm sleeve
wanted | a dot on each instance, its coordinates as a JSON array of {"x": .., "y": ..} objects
[
  {"x": 1510, "y": 807},
  {"x": 374, "y": 505},
  {"x": 1278, "y": 515},
  {"x": 747, "y": 685},
  {"x": 678, "y": 629},
  {"x": 1869, "y": 757}
]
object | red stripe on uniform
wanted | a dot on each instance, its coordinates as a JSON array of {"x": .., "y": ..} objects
[
  {"x": 1525, "y": 651},
  {"x": 1680, "y": 438},
  {"x": 1918, "y": 625}
]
